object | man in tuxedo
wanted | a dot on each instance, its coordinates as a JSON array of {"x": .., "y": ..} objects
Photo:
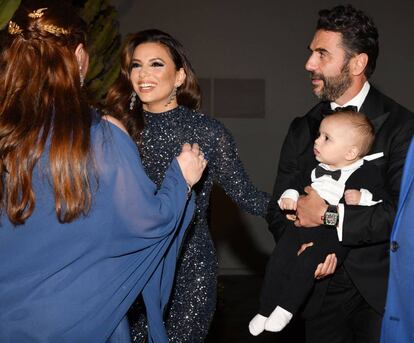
[{"x": 347, "y": 306}]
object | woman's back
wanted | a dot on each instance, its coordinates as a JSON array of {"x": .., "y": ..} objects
[{"x": 73, "y": 281}]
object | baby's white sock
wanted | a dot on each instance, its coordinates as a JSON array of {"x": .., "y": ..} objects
[
  {"x": 278, "y": 319},
  {"x": 257, "y": 324}
]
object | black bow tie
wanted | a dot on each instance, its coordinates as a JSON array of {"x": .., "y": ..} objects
[
  {"x": 349, "y": 108},
  {"x": 334, "y": 174}
]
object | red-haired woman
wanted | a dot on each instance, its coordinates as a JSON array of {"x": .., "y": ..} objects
[{"x": 76, "y": 245}]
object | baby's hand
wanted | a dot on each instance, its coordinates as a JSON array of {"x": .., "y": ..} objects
[
  {"x": 352, "y": 197},
  {"x": 288, "y": 204}
]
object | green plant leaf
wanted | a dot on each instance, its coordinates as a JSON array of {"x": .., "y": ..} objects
[
  {"x": 7, "y": 9},
  {"x": 104, "y": 45}
]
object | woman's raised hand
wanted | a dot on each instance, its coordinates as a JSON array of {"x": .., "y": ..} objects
[{"x": 192, "y": 163}]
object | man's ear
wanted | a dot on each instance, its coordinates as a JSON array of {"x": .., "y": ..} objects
[{"x": 358, "y": 64}]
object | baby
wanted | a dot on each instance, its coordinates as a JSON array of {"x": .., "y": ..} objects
[{"x": 343, "y": 175}]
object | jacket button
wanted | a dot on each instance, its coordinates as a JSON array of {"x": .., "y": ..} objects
[{"x": 394, "y": 246}]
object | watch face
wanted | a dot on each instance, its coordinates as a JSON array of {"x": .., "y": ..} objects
[{"x": 331, "y": 218}]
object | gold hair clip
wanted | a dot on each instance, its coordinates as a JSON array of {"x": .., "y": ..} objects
[
  {"x": 54, "y": 30},
  {"x": 37, "y": 13},
  {"x": 14, "y": 29}
]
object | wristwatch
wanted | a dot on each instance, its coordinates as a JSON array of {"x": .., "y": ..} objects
[{"x": 331, "y": 216}]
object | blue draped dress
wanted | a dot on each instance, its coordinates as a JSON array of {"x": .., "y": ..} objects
[{"x": 74, "y": 282}]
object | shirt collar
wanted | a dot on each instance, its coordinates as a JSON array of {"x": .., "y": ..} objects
[
  {"x": 357, "y": 100},
  {"x": 353, "y": 166},
  {"x": 357, "y": 163}
]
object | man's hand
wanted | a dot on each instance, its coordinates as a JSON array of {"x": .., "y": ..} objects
[
  {"x": 310, "y": 209},
  {"x": 326, "y": 268}
]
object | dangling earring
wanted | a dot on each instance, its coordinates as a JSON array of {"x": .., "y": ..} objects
[
  {"x": 172, "y": 96},
  {"x": 81, "y": 77},
  {"x": 133, "y": 100}
]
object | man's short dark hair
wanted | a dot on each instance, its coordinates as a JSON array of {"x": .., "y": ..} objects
[{"x": 359, "y": 34}]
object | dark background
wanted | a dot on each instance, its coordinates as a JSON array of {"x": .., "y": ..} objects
[{"x": 250, "y": 57}]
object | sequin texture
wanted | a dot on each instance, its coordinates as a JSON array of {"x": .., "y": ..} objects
[{"x": 193, "y": 298}]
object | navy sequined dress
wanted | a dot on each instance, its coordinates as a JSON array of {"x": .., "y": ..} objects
[{"x": 193, "y": 299}]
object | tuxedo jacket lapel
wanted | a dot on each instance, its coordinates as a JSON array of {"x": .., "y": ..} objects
[
  {"x": 315, "y": 118},
  {"x": 373, "y": 107},
  {"x": 378, "y": 121}
]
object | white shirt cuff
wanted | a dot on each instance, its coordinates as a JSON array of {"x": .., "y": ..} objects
[
  {"x": 366, "y": 198},
  {"x": 339, "y": 228},
  {"x": 290, "y": 194}
]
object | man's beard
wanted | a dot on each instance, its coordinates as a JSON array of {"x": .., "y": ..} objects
[{"x": 333, "y": 86}]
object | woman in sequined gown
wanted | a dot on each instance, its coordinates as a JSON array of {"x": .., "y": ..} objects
[{"x": 157, "y": 97}]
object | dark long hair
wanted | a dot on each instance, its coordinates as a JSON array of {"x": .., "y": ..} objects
[
  {"x": 359, "y": 33},
  {"x": 119, "y": 95},
  {"x": 42, "y": 103}
]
